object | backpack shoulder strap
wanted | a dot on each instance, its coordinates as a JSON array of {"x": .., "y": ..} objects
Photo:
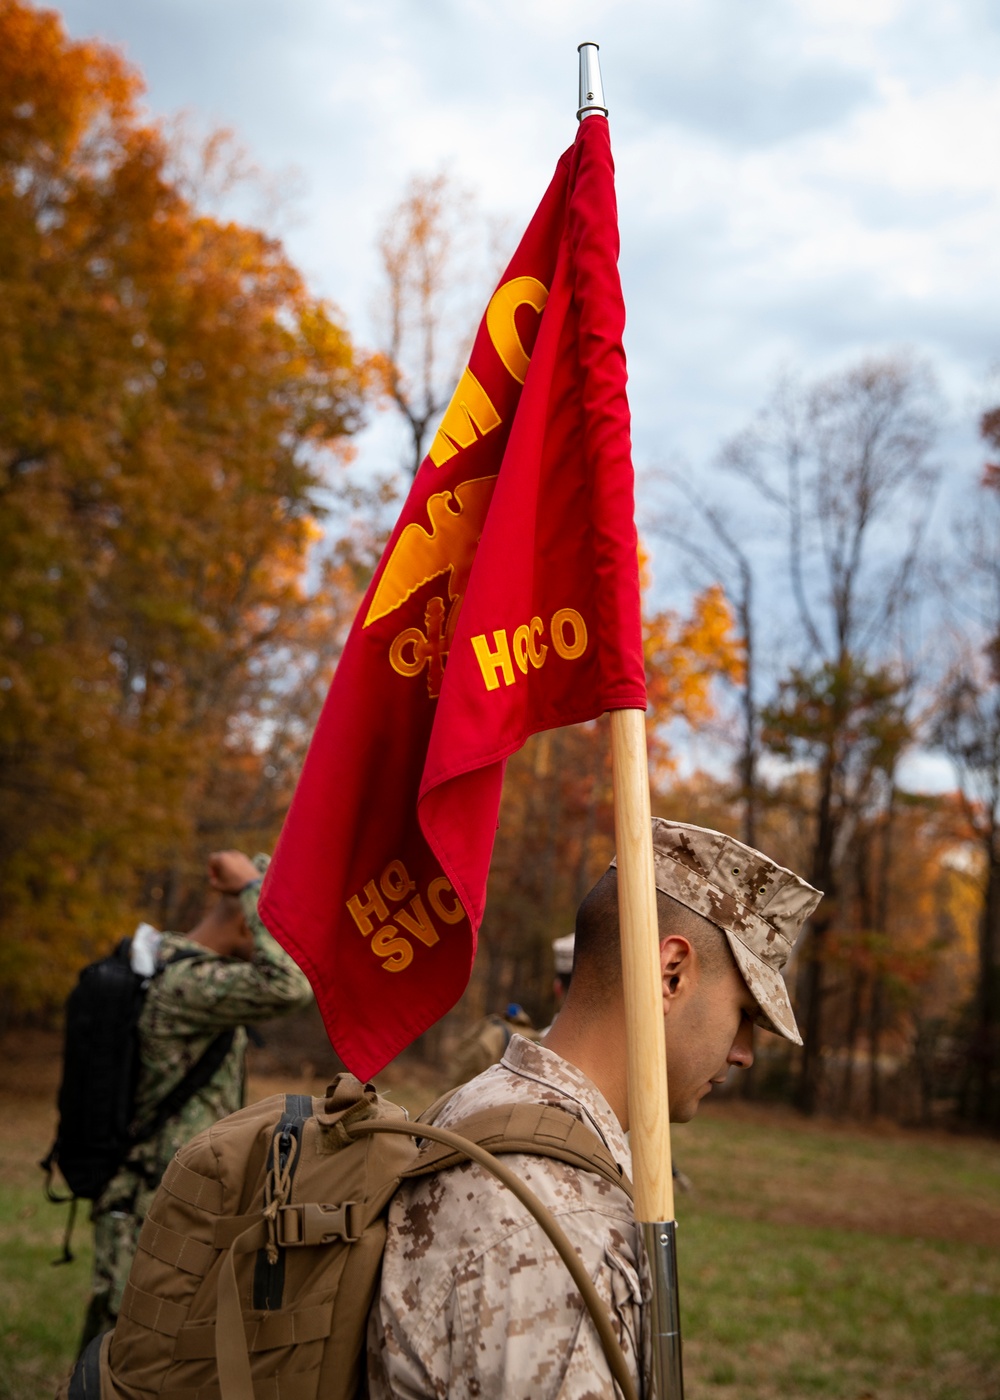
[
  {"x": 463, "y": 1148},
  {"x": 197, "y": 1076},
  {"x": 541, "y": 1130}
]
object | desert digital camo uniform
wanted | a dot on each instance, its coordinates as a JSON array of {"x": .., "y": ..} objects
[
  {"x": 188, "y": 1004},
  {"x": 475, "y": 1301}
]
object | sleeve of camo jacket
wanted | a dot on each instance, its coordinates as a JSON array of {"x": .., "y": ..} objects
[
  {"x": 285, "y": 985},
  {"x": 210, "y": 993}
]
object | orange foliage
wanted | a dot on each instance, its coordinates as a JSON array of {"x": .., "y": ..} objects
[
  {"x": 170, "y": 392},
  {"x": 926, "y": 949}
]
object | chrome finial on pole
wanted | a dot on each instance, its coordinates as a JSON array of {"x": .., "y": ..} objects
[{"x": 591, "y": 87}]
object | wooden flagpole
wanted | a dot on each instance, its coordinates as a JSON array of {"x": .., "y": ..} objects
[
  {"x": 648, "y": 1113},
  {"x": 648, "y": 1104}
]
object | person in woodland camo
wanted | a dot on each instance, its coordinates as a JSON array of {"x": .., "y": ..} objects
[
  {"x": 474, "y": 1299},
  {"x": 230, "y": 974}
]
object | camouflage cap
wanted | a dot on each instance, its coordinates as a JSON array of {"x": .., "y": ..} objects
[{"x": 758, "y": 904}]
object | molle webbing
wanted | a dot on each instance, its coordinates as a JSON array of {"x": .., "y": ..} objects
[
  {"x": 176, "y": 1250},
  {"x": 193, "y": 1189},
  {"x": 539, "y": 1130},
  {"x": 153, "y": 1313},
  {"x": 278, "y": 1329},
  {"x": 297, "y": 1386}
]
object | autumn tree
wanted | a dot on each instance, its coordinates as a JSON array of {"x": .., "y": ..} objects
[
  {"x": 436, "y": 254},
  {"x": 171, "y": 395},
  {"x": 967, "y": 726},
  {"x": 845, "y": 467},
  {"x": 703, "y": 534},
  {"x": 903, "y": 949},
  {"x": 848, "y": 727}
]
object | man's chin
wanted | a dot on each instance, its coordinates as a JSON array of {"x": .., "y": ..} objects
[{"x": 684, "y": 1112}]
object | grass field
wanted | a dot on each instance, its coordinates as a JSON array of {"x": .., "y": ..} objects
[{"x": 815, "y": 1260}]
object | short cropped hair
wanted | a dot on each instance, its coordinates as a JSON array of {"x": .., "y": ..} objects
[{"x": 597, "y": 951}]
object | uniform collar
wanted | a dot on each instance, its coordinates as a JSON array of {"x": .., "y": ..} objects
[{"x": 529, "y": 1060}]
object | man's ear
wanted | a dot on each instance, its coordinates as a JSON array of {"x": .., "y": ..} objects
[{"x": 675, "y": 967}]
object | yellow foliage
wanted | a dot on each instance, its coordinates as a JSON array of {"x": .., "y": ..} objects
[{"x": 685, "y": 657}]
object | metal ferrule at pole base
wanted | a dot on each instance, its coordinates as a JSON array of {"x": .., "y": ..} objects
[
  {"x": 591, "y": 87},
  {"x": 660, "y": 1240}
]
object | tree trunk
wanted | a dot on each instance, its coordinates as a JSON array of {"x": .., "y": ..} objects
[
  {"x": 982, "y": 1090},
  {"x": 807, "y": 1090},
  {"x": 877, "y": 1008},
  {"x": 875, "y": 1014},
  {"x": 851, "y": 1046},
  {"x": 748, "y": 761}
]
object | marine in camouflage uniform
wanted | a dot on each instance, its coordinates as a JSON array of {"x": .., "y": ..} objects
[
  {"x": 474, "y": 1299},
  {"x": 188, "y": 1003}
]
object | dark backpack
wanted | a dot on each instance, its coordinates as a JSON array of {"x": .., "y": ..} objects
[
  {"x": 100, "y": 1074},
  {"x": 260, "y": 1256}
]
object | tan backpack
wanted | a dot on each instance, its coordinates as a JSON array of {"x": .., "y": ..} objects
[{"x": 259, "y": 1259}]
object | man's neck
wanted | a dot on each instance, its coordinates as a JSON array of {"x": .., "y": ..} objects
[
  {"x": 597, "y": 1049},
  {"x": 209, "y": 934}
]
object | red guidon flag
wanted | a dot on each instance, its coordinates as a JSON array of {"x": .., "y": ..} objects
[{"x": 507, "y": 601}]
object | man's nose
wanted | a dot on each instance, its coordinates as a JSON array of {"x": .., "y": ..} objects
[{"x": 742, "y": 1048}]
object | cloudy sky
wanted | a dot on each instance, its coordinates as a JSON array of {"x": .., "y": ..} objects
[{"x": 800, "y": 181}]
